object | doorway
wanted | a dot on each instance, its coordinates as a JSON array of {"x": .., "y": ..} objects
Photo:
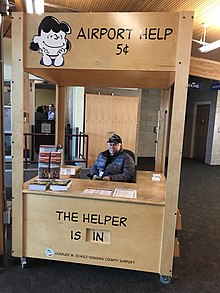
[{"x": 201, "y": 132}]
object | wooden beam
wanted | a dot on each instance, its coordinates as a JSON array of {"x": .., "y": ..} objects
[
  {"x": 105, "y": 78},
  {"x": 19, "y": 5},
  {"x": 204, "y": 68},
  {"x": 176, "y": 141},
  {"x": 17, "y": 134}
]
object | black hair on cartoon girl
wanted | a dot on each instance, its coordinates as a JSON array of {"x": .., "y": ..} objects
[{"x": 51, "y": 41}]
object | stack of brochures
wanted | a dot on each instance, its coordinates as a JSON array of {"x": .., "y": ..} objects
[
  {"x": 60, "y": 184},
  {"x": 49, "y": 162},
  {"x": 39, "y": 184},
  {"x": 44, "y": 165},
  {"x": 55, "y": 163}
]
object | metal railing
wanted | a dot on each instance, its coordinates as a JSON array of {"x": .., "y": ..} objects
[{"x": 76, "y": 147}]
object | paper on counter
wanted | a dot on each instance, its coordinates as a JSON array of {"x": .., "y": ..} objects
[
  {"x": 156, "y": 177},
  {"x": 125, "y": 192},
  {"x": 97, "y": 191},
  {"x": 67, "y": 171}
]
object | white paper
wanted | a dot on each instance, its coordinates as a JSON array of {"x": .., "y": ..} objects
[
  {"x": 156, "y": 177},
  {"x": 67, "y": 171},
  {"x": 101, "y": 192},
  {"x": 126, "y": 193}
]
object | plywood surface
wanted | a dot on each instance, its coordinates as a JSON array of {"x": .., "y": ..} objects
[
  {"x": 205, "y": 68},
  {"x": 140, "y": 49},
  {"x": 83, "y": 230},
  {"x": 18, "y": 90},
  {"x": 176, "y": 142},
  {"x": 130, "y": 40},
  {"x": 105, "y": 78},
  {"x": 148, "y": 192},
  {"x": 107, "y": 114}
]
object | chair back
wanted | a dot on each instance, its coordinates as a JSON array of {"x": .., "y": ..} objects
[
  {"x": 134, "y": 158},
  {"x": 131, "y": 154}
]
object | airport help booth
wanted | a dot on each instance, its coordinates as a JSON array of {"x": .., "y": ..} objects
[{"x": 141, "y": 50}]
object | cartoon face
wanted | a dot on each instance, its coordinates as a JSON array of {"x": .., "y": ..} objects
[{"x": 51, "y": 41}]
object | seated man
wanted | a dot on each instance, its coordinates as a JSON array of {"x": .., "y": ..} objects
[{"x": 114, "y": 164}]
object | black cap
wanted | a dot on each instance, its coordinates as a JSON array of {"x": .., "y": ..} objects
[{"x": 115, "y": 138}]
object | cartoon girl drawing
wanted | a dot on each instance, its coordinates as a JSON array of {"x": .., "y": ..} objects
[{"x": 51, "y": 41}]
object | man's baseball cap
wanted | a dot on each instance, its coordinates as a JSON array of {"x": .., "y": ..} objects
[{"x": 115, "y": 139}]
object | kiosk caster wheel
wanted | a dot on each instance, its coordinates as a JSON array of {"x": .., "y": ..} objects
[
  {"x": 23, "y": 262},
  {"x": 165, "y": 279}
]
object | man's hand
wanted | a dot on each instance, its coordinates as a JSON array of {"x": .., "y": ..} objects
[
  {"x": 107, "y": 178},
  {"x": 96, "y": 177}
]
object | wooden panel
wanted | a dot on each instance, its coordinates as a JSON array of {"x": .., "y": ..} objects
[
  {"x": 110, "y": 114},
  {"x": 105, "y": 78},
  {"x": 204, "y": 13},
  {"x": 17, "y": 137},
  {"x": 148, "y": 191},
  {"x": 176, "y": 252},
  {"x": 63, "y": 226},
  {"x": 56, "y": 228},
  {"x": 178, "y": 220},
  {"x": 145, "y": 41},
  {"x": 205, "y": 68},
  {"x": 176, "y": 141},
  {"x": 19, "y": 5}
]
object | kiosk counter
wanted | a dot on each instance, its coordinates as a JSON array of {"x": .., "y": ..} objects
[{"x": 91, "y": 224}]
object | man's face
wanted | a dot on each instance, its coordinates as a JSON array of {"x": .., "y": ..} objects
[{"x": 114, "y": 147}]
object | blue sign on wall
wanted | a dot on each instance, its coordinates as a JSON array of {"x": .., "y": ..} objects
[
  {"x": 195, "y": 85},
  {"x": 215, "y": 86}
]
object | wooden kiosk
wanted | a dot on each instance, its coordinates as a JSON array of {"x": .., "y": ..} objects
[{"x": 142, "y": 50}]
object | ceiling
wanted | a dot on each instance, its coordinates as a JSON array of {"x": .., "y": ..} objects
[{"x": 205, "y": 11}]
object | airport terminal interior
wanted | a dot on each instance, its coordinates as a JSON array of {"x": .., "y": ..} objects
[{"x": 74, "y": 75}]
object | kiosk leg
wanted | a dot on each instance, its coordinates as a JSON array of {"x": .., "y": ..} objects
[
  {"x": 165, "y": 279},
  {"x": 23, "y": 262}
]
